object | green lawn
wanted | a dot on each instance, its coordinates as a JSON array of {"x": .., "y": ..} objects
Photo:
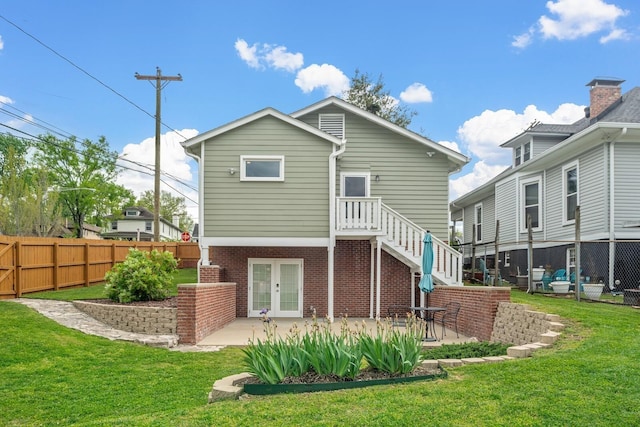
[{"x": 53, "y": 375}]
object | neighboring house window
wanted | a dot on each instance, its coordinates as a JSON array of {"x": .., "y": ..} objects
[
  {"x": 477, "y": 223},
  {"x": 355, "y": 185},
  {"x": 131, "y": 213},
  {"x": 147, "y": 226},
  {"x": 527, "y": 152},
  {"x": 570, "y": 192},
  {"x": 114, "y": 225},
  {"x": 507, "y": 259},
  {"x": 522, "y": 154},
  {"x": 333, "y": 124},
  {"x": 532, "y": 204},
  {"x": 571, "y": 261},
  {"x": 262, "y": 168}
]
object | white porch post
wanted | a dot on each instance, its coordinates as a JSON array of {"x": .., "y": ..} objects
[
  {"x": 378, "y": 268},
  {"x": 371, "y": 279}
]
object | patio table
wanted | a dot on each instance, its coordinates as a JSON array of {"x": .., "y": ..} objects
[{"x": 429, "y": 319}]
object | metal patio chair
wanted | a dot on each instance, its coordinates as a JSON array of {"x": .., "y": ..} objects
[{"x": 449, "y": 315}]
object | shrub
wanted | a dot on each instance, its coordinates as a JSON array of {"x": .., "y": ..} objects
[
  {"x": 466, "y": 350},
  {"x": 142, "y": 276}
]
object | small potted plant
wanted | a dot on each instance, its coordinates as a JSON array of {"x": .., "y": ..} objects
[{"x": 593, "y": 290}]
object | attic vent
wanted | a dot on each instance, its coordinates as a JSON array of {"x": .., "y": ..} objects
[{"x": 333, "y": 124}]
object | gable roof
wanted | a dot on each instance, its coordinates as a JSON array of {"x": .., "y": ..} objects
[
  {"x": 192, "y": 143},
  {"x": 454, "y": 157}
]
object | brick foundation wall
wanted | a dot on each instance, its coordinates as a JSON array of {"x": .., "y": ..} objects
[
  {"x": 479, "y": 306},
  {"x": 235, "y": 261},
  {"x": 203, "y": 308},
  {"x": 144, "y": 320}
]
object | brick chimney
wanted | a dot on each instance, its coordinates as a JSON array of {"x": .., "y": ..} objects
[{"x": 604, "y": 92}]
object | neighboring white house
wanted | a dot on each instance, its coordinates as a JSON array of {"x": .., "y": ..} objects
[
  {"x": 592, "y": 163},
  {"x": 136, "y": 223}
]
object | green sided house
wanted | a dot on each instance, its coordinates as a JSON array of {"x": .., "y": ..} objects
[{"x": 323, "y": 210}]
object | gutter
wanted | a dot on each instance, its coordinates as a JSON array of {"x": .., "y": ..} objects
[
  {"x": 204, "y": 251},
  {"x": 332, "y": 223}
]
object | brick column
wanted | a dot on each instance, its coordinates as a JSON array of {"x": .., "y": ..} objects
[
  {"x": 209, "y": 274},
  {"x": 203, "y": 308}
]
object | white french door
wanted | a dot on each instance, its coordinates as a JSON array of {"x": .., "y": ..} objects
[{"x": 276, "y": 285}]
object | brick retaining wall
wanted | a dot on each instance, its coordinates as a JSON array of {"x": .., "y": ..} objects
[
  {"x": 203, "y": 308},
  {"x": 144, "y": 320},
  {"x": 479, "y": 305}
]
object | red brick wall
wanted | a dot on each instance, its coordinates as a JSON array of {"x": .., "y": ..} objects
[
  {"x": 479, "y": 305},
  {"x": 352, "y": 283},
  {"x": 210, "y": 274},
  {"x": 234, "y": 260},
  {"x": 204, "y": 308}
]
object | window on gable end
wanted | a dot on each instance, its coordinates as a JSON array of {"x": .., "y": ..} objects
[
  {"x": 531, "y": 199},
  {"x": 570, "y": 193},
  {"x": 477, "y": 222},
  {"x": 527, "y": 152},
  {"x": 518, "y": 156},
  {"x": 333, "y": 124}
]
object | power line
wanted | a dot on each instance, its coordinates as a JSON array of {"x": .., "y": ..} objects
[{"x": 73, "y": 64}]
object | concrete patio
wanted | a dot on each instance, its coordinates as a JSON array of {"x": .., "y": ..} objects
[{"x": 240, "y": 331}]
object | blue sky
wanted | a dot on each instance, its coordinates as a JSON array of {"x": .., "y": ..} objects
[{"x": 477, "y": 73}]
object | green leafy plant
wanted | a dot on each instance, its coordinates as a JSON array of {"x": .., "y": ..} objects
[
  {"x": 392, "y": 350},
  {"x": 142, "y": 276}
]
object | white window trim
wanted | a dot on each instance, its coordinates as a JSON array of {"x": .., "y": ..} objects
[
  {"x": 517, "y": 158},
  {"x": 523, "y": 216},
  {"x": 243, "y": 170},
  {"x": 475, "y": 221},
  {"x": 568, "y": 167},
  {"x": 366, "y": 175}
]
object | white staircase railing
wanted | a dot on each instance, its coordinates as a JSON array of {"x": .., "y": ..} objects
[{"x": 403, "y": 238}]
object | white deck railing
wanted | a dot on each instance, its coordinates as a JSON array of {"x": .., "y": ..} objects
[{"x": 358, "y": 215}]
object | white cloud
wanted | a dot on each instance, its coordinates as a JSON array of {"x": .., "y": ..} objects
[
  {"x": 261, "y": 56},
  {"x": 579, "y": 18},
  {"x": 573, "y": 19},
  {"x": 451, "y": 145},
  {"x": 6, "y": 100},
  {"x": 1, "y": 43},
  {"x": 327, "y": 77},
  {"x": 416, "y": 93},
  {"x": 173, "y": 161},
  {"x": 481, "y": 173},
  {"x": 247, "y": 54},
  {"x": 279, "y": 58},
  {"x": 524, "y": 39}
]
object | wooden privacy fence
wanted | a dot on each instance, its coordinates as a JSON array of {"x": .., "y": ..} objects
[{"x": 32, "y": 264}]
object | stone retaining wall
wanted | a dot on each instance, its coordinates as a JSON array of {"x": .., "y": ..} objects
[
  {"x": 139, "y": 319},
  {"x": 518, "y": 324}
]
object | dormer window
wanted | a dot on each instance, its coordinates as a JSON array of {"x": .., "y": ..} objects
[
  {"x": 522, "y": 153},
  {"x": 131, "y": 212}
]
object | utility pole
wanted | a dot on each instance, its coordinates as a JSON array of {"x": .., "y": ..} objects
[{"x": 160, "y": 82}]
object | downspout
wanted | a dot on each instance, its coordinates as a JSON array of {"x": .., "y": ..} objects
[
  {"x": 612, "y": 210},
  {"x": 332, "y": 224},
  {"x": 204, "y": 251}
]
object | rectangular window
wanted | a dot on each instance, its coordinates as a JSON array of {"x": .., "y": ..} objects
[
  {"x": 147, "y": 225},
  {"x": 478, "y": 222},
  {"x": 518, "y": 159},
  {"x": 527, "y": 152},
  {"x": 355, "y": 185},
  {"x": 114, "y": 225},
  {"x": 570, "y": 192},
  {"x": 131, "y": 213},
  {"x": 262, "y": 168},
  {"x": 532, "y": 204}
]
